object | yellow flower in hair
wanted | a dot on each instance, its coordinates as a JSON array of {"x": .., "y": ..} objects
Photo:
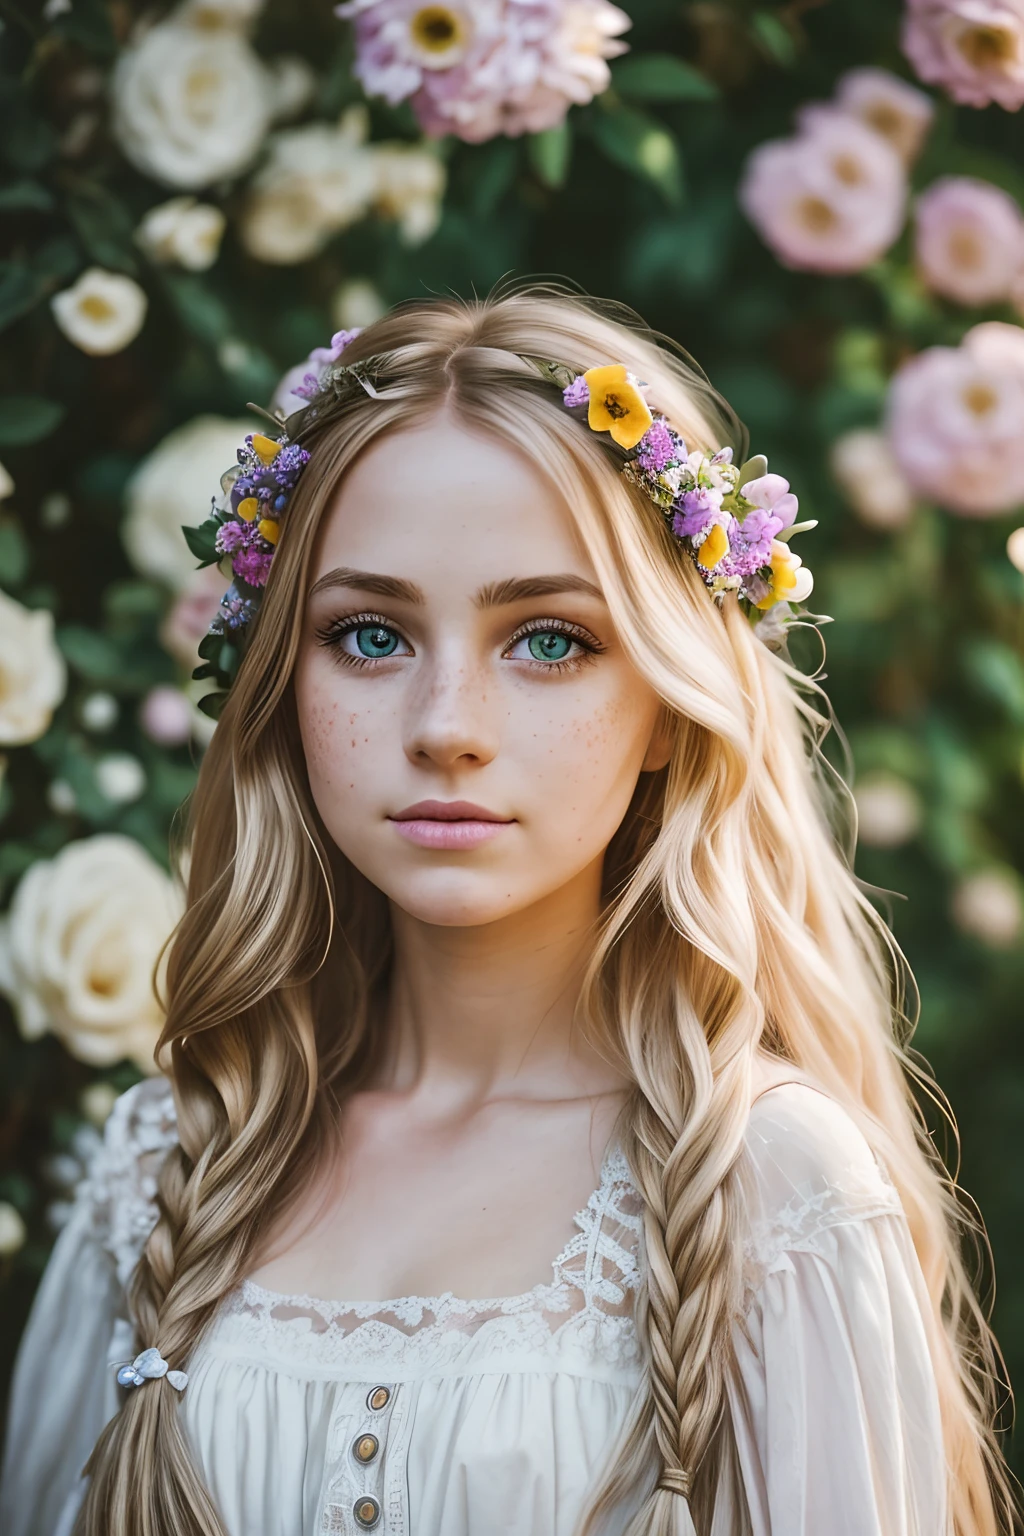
[
  {"x": 248, "y": 508},
  {"x": 713, "y": 548},
  {"x": 265, "y": 449},
  {"x": 783, "y": 580},
  {"x": 616, "y": 405},
  {"x": 270, "y": 529}
]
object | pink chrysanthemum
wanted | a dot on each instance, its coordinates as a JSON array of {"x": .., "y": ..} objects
[{"x": 477, "y": 68}]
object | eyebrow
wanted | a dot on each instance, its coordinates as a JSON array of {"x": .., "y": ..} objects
[{"x": 495, "y": 594}]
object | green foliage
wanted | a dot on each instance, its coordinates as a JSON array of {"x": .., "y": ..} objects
[{"x": 634, "y": 198}]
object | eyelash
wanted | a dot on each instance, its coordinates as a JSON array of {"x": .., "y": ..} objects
[{"x": 331, "y": 634}]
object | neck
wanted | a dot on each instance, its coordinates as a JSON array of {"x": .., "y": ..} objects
[{"x": 488, "y": 1011}]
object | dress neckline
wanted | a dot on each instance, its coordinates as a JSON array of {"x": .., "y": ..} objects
[{"x": 615, "y": 1174}]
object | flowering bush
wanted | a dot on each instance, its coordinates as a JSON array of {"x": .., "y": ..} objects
[
  {"x": 493, "y": 66},
  {"x": 198, "y": 198}
]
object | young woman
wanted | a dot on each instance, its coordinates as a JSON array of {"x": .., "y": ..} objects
[{"x": 512, "y": 894}]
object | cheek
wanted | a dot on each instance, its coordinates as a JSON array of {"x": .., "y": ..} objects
[
  {"x": 586, "y": 758},
  {"x": 339, "y": 741}
]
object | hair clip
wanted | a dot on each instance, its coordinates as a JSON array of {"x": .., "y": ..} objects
[{"x": 150, "y": 1366}]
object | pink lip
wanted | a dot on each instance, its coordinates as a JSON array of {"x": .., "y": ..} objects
[{"x": 448, "y": 824}]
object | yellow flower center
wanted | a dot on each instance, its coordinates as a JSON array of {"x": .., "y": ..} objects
[
  {"x": 980, "y": 399},
  {"x": 987, "y": 47},
  {"x": 848, "y": 170},
  {"x": 965, "y": 249},
  {"x": 437, "y": 31},
  {"x": 95, "y": 308},
  {"x": 816, "y": 215},
  {"x": 884, "y": 119}
]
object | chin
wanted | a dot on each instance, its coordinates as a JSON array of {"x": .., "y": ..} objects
[{"x": 448, "y": 899}]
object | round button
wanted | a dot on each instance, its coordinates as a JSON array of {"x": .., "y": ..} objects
[
  {"x": 378, "y": 1399},
  {"x": 367, "y": 1513},
  {"x": 366, "y": 1447}
]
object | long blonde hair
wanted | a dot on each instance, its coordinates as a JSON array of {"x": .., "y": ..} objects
[{"x": 732, "y": 924}]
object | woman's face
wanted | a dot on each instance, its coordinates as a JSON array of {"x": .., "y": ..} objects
[{"x": 472, "y": 727}]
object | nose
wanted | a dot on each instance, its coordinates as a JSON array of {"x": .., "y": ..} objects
[{"x": 450, "y": 720}]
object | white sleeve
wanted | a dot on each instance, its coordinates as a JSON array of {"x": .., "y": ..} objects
[
  {"x": 834, "y": 1405},
  {"x": 63, "y": 1390}
]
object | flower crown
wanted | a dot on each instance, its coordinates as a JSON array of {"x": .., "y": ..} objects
[{"x": 734, "y": 522}]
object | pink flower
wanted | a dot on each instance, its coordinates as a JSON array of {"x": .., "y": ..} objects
[
  {"x": 477, "y": 68},
  {"x": 969, "y": 240},
  {"x": 166, "y": 716},
  {"x": 954, "y": 418},
  {"x": 191, "y": 615},
  {"x": 898, "y": 111},
  {"x": 772, "y": 494},
  {"x": 830, "y": 199},
  {"x": 974, "y": 49}
]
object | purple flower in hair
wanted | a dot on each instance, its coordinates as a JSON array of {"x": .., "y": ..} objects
[
  {"x": 658, "y": 447},
  {"x": 693, "y": 511},
  {"x": 751, "y": 540},
  {"x": 230, "y": 536},
  {"x": 577, "y": 393},
  {"x": 253, "y": 564}
]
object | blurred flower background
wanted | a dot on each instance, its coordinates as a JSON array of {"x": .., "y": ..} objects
[{"x": 821, "y": 200}]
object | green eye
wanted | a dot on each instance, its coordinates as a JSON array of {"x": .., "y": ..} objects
[
  {"x": 549, "y": 645},
  {"x": 375, "y": 640}
]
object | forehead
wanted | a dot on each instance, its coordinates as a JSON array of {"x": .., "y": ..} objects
[{"x": 438, "y": 502}]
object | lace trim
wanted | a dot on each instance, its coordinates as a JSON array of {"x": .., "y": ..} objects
[
  {"x": 121, "y": 1182},
  {"x": 586, "y": 1305}
]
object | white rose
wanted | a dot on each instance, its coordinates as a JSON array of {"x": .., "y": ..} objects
[
  {"x": 888, "y": 810},
  {"x": 102, "y": 312},
  {"x": 12, "y": 1230},
  {"x": 191, "y": 104},
  {"x": 988, "y": 906},
  {"x": 356, "y": 304},
  {"x": 174, "y": 487},
  {"x": 209, "y": 15},
  {"x": 33, "y": 676},
  {"x": 410, "y": 188},
  {"x": 80, "y": 945},
  {"x": 183, "y": 231},
  {"x": 317, "y": 181},
  {"x": 871, "y": 480},
  {"x": 6, "y": 483}
]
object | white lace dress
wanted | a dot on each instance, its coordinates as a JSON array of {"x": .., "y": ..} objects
[{"x": 434, "y": 1416}]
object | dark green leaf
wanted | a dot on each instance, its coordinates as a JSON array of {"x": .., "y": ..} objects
[
  {"x": 550, "y": 153},
  {"x": 103, "y": 225},
  {"x": 661, "y": 77},
  {"x": 87, "y": 22},
  {"x": 212, "y": 704},
  {"x": 202, "y": 541},
  {"x": 27, "y": 418},
  {"x": 27, "y": 140},
  {"x": 15, "y": 556},
  {"x": 20, "y": 290},
  {"x": 25, "y": 195},
  {"x": 774, "y": 37},
  {"x": 58, "y": 259},
  {"x": 91, "y": 654},
  {"x": 202, "y": 311},
  {"x": 641, "y": 145}
]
